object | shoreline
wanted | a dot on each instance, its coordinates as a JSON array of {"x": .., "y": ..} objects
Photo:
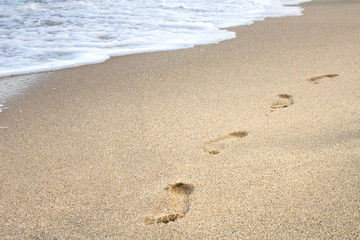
[
  {"x": 150, "y": 42},
  {"x": 253, "y": 138},
  {"x": 14, "y": 84}
]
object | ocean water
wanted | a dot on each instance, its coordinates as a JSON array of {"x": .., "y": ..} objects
[{"x": 43, "y": 35}]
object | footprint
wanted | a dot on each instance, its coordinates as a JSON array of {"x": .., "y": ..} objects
[
  {"x": 282, "y": 101},
  {"x": 315, "y": 80},
  {"x": 215, "y": 146},
  {"x": 177, "y": 205}
]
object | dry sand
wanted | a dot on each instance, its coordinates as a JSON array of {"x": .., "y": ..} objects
[{"x": 247, "y": 139}]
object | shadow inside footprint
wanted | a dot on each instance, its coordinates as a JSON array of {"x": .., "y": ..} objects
[
  {"x": 215, "y": 146},
  {"x": 282, "y": 101},
  {"x": 178, "y": 204},
  {"x": 315, "y": 80},
  {"x": 180, "y": 188}
]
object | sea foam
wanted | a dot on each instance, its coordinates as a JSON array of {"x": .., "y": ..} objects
[{"x": 43, "y": 35}]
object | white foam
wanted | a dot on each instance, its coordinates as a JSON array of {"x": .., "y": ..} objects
[
  {"x": 43, "y": 35},
  {"x": 293, "y": 2}
]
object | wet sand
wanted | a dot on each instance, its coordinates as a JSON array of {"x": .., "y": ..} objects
[{"x": 253, "y": 138}]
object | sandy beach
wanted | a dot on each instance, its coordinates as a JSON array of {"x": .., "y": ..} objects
[{"x": 256, "y": 137}]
